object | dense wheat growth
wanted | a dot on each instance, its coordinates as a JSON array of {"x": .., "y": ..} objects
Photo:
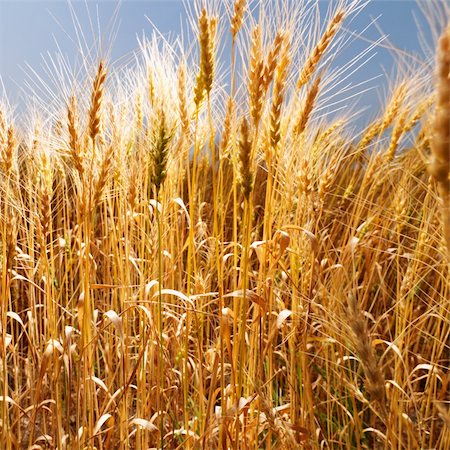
[{"x": 199, "y": 251}]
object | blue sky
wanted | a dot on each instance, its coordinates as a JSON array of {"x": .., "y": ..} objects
[{"x": 28, "y": 30}]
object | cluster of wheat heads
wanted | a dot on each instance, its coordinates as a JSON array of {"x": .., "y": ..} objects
[{"x": 188, "y": 265}]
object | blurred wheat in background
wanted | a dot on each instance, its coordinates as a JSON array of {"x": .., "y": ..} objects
[{"x": 197, "y": 253}]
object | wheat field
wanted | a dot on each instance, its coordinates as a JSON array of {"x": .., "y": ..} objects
[{"x": 197, "y": 253}]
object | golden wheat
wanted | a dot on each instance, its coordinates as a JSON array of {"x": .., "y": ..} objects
[{"x": 199, "y": 253}]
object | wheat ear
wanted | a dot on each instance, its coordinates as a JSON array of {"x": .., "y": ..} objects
[
  {"x": 207, "y": 31},
  {"x": 159, "y": 152},
  {"x": 182, "y": 100},
  {"x": 375, "y": 381},
  {"x": 103, "y": 176},
  {"x": 74, "y": 139},
  {"x": 2, "y": 130},
  {"x": 7, "y": 144},
  {"x": 278, "y": 97},
  {"x": 308, "y": 107},
  {"x": 272, "y": 58},
  {"x": 8, "y": 150},
  {"x": 256, "y": 76},
  {"x": 245, "y": 156},
  {"x": 439, "y": 166},
  {"x": 313, "y": 60},
  {"x": 237, "y": 18},
  {"x": 95, "y": 112},
  {"x": 226, "y": 136}
]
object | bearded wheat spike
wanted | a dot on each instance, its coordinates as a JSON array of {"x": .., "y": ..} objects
[
  {"x": 256, "y": 77},
  {"x": 206, "y": 51},
  {"x": 103, "y": 176},
  {"x": 375, "y": 380},
  {"x": 320, "y": 48},
  {"x": 226, "y": 133},
  {"x": 238, "y": 15},
  {"x": 45, "y": 195},
  {"x": 2, "y": 130},
  {"x": 150, "y": 85},
  {"x": 272, "y": 59},
  {"x": 440, "y": 143},
  {"x": 95, "y": 112},
  {"x": 308, "y": 107},
  {"x": 245, "y": 156},
  {"x": 397, "y": 133},
  {"x": 390, "y": 113},
  {"x": 394, "y": 106},
  {"x": 139, "y": 113},
  {"x": 278, "y": 98},
  {"x": 159, "y": 152},
  {"x": 7, "y": 145},
  {"x": 182, "y": 100},
  {"x": 207, "y": 30},
  {"x": 305, "y": 177},
  {"x": 9, "y": 150},
  {"x": 326, "y": 182},
  {"x": 74, "y": 140}
]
